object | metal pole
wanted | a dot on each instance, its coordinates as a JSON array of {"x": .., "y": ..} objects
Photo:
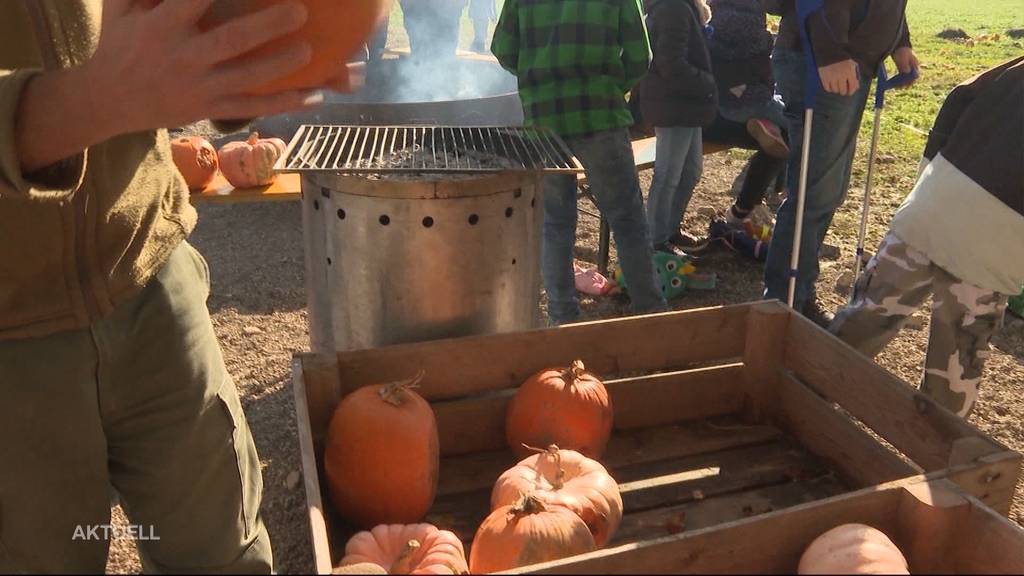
[
  {"x": 867, "y": 197},
  {"x": 801, "y": 201}
]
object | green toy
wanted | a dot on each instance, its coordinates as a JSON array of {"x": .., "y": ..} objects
[
  {"x": 1017, "y": 305},
  {"x": 676, "y": 274}
]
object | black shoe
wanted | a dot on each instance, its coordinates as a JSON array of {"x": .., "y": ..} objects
[
  {"x": 814, "y": 312},
  {"x": 670, "y": 248}
]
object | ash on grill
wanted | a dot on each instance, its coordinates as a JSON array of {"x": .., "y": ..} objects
[{"x": 401, "y": 164}]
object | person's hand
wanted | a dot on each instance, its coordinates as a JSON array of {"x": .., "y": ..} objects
[
  {"x": 154, "y": 68},
  {"x": 906, "y": 62},
  {"x": 841, "y": 78}
]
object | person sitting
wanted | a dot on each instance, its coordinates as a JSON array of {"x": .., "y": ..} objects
[
  {"x": 751, "y": 115},
  {"x": 677, "y": 97},
  {"x": 574, "y": 61},
  {"x": 958, "y": 237}
]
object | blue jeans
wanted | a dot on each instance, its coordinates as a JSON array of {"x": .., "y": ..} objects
[
  {"x": 833, "y": 142},
  {"x": 607, "y": 158},
  {"x": 679, "y": 161}
]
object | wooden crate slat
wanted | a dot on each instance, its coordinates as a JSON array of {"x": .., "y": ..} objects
[
  {"x": 468, "y": 473},
  {"x": 477, "y": 424},
  {"x": 991, "y": 479},
  {"x": 466, "y": 366},
  {"x": 819, "y": 426},
  {"x": 314, "y": 503},
  {"x": 1000, "y": 536},
  {"x": 909, "y": 420}
]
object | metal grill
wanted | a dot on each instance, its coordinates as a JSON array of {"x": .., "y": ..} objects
[{"x": 425, "y": 149}]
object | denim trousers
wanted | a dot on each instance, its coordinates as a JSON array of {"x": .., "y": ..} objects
[
  {"x": 833, "y": 142},
  {"x": 678, "y": 164},
  {"x": 607, "y": 158}
]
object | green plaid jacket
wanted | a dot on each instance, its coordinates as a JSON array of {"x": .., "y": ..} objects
[{"x": 575, "y": 60}]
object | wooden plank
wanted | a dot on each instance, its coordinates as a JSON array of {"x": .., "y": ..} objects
[
  {"x": 472, "y": 472},
  {"x": 929, "y": 517},
  {"x": 990, "y": 544},
  {"x": 314, "y": 503},
  {"x": 323, "y": 391},
  {"x": 820, "y": 427},
  {"x": 477, "y": 424},
  {"x": 767, "y": 544},
  {"x": 709, "y": 512},
  {"x": 909, "y": 420},
  {"x": 762, "y": 356},
  {"x": 991, "y": 479},
  {"x": 465, "y": 366},
  {"x": 285, "y": 187}
]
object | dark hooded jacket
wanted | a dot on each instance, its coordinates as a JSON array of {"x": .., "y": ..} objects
[{"x": 679, "y": 89}]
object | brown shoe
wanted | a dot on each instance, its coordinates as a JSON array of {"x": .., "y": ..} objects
[
  {"x": 768, "y": 137},
  {"x": 687, "y": 243}
]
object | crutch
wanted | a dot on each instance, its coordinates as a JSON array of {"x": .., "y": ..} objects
[
  {"x": 812, "y": 84},
  {"x": 883, "y": 85}
]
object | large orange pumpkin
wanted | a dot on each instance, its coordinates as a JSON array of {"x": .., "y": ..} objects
[
  {"x": 568, "y": 407},
  {"x": 196, "y": 159},
  {"x": 335, "y": 30},
  {"x": 852, "y": 549},
  {"x": 381, "y": 455},
  {"x": 569, "y": 479},
  {"x": 528, "y": 532},
  {"x": 407, "y": 549}
]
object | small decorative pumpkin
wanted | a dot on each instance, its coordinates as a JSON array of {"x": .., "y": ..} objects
[
  {"x": 852, "y": 549},
  {"x": 568, "y": 407},
  {"x": 196, "y": 159},
  {"x": 381, "y": 455},
  {"x": 568, "y": 479},
  {"x": 334, "y": 34},
  {"x": 251, "y": 163},
  {"x": 525, "y": 533},
  {"x": 407, "y": 549}
]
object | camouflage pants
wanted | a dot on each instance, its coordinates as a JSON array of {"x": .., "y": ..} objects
[{"x": 964, "y": 317}]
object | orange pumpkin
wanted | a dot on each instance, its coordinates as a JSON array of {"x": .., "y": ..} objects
[
  {"x": 196, "y": 159},
  {"x": 568, "y": 407},
  {"x": 334, "y": 30},
  {"x": 250, "y": 163},
  {"x": 852, "y": 549},
  {"x": 525, "y": 533},
  {"x": 407, "y": 549},
  {"x": 381, "y": 455},
  {"x": 569, "y": 479}
]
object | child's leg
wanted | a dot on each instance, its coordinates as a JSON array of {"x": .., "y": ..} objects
[
  {"x": 964, "y": 317},
  {"x": 895, "y": 284}
]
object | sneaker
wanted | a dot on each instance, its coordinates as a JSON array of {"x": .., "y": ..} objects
[
  {"x": 814, "y": 312},
  {"x": 732, "y": 218},
  {"x": 768, "y": 137},
  {"x": 670, "y": 248},
  {"x": 687, "y": 243}
]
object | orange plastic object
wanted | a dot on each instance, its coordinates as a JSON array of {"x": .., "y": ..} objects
[{"x": 335, "y": 29}]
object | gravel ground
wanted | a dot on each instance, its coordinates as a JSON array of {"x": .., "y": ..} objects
[{"x": 258, "y": 308}]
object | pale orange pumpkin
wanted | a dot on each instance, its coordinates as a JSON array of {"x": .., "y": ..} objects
[
  {"x": 407, "y": 549},
  {"x": 196, "y": 159},
  {"x": 525, "y": 533},
  {"x": 852, "y": 549},
  {"x": 569, "y": 479},
  {"x": 334, "y": 30},
  {"x": 250, "y": 163},
  {"x": 381, "y": 455},
  {"x": 568, "y": 407}
]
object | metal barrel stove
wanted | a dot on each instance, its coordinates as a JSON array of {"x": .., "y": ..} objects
[{"x": 417, "y": 233}]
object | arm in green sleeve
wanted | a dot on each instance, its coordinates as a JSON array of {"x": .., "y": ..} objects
[
  {"x": 636, "y": 47},
  {"x": 505, "y": 45},
  {"x": 52, "y": 183}
]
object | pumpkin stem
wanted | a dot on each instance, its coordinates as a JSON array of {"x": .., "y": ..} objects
[
  {"x": 401, "y": 564},
  {"x": 553, "y": 452},
  {"x": 574, "y": 372},
  {"x": 254, "y": 138},
  {"x": 392, "y": 393},
  {"x": 527, "y": 504}
]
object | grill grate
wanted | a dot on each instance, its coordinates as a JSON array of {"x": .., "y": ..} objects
[{"x": 425, "y": 149}]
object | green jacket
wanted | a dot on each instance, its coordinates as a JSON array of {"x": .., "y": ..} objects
[
  {"x": 575, "y": 60},
  {"x": 81, "y": 238}
]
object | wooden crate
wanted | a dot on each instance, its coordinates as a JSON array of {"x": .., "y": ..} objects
[{"x": 728, "y": 420}]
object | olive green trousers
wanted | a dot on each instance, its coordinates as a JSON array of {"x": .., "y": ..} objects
[{"x": 143, "y": 403}]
